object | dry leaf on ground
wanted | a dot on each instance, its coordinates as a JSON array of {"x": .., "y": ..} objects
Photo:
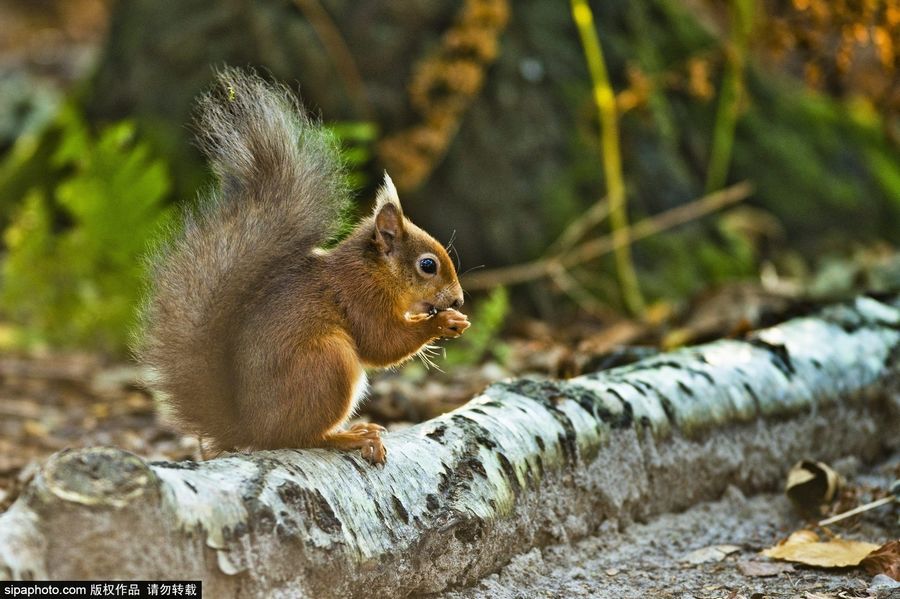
[
  {"x": 811, "y": 485},
  {"x": 884, "y": 560},
  {"x": 714, "y": 553},
  {"x": 804, "y": 547},
  {"x": 759, "y": 569}
]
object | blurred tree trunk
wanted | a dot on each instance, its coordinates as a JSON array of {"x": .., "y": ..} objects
[{"x": 513, "y": 143}]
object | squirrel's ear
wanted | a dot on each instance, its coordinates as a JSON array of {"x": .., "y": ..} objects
[{"x": 388, "y": 216}]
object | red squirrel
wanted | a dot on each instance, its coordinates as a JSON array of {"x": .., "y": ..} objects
[{"x": 256, "y": 336}]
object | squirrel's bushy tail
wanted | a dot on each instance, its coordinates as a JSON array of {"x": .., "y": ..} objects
[{"x": 280, "y": 192}]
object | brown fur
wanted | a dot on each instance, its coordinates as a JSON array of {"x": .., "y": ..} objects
[{"x": 257, "y": 338}]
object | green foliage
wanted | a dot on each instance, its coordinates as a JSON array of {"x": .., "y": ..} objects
[
  {"x": 823, "y": 168},
  {"x": 483, "y": 337},
  {"x": 74, "y": 269},
  {"x": 357, "y": 139},
  {"x": 683, "y": 262}
]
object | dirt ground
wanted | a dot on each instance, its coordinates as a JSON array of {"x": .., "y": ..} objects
[{"x": 648, "y": 559}]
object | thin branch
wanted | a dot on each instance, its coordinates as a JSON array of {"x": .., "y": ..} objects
[
  {"x": 579, "y": 294},
  {"x": 340, "y": 54},
  {"x": 589, "y": 250},
  {"x": 578, "y": 228},
  {"x": 858, "y": 510},
  {"x": 605, "y": 99},
  {"x": 665, "y": 220}
]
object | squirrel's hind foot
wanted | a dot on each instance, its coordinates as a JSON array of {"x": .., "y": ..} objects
[{"x": 365, "y": 437}]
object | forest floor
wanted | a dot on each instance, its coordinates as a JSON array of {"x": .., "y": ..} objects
[{"x": 653, "y": 559}]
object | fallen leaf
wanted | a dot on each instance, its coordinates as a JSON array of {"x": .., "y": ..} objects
[
  {"x": 760, "y": 569},
  {"x": 804, "y": 547},
  {"x": 884, "y": 560},
  {"x": 811, "y": 485},
  {"x": 713, "y": 553}
]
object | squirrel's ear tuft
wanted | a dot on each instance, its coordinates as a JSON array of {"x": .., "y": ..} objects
[
  {"x": 387, "y": 194},
  {"x": 388, "y": 216}
]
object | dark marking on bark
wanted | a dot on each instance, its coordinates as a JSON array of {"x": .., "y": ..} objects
[
  {"x": 231, "y": 535},
  {"x": 549, "y": 393},
  {"x": 540, "y": 442},
  {"x": 539, "y": 462},
  {"x": 476, "y": 467},
  {"x": 641, "y": 385},
  {"x": 355, "y": 462},
  {"x": 183, "y": 465},
  {"x": 295, "y": 469},
  {"x": 668, "y": 408},
  {"x": 657, "y": 364},
  {"x": 780, "y": 356},
  {"x": 567, "y": 443},
  {"x": 287, "y": 528},
  {"x": 817, "y": 364},
  {"x": 685, "y": 389},
  {"x": 383, "y": 519},
  {"x": 627, "y": 413},
  {"x": 510, "y": 473},
  {"x": 851, "y": 319},
  {"x": 701, "y": 373},
  {"x": 530, "y": 479},
  {"x": 444, "y": 482},
  {"x": 432, "y": 503},
  {"x": 892, "y": 361},
  {"x": 622, "y": 419},
  {"x": 261, "y": 516},
  {"x": 311, "y": 502},
  {"x": 477, "y": 432},
  {"x": 492, "y": 404},
  {"x": 189, "y": 486},
  {"x": 469, "y": 530},
  {"x": 437, "y": 433},
  {"x": 615, "y": 394},
  {"x": 754, "y": 397},
  {"x": 399, "y": 509},
  {"x": 478, "y": 411}
]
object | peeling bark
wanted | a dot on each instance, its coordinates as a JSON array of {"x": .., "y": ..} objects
[{"x": 525, "y": 463}]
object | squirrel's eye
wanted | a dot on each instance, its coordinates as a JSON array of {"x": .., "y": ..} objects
[{"x": 428, "y": 266}]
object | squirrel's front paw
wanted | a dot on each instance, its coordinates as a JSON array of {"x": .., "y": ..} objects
[
  {"x": 367, "y": 427},
  {"x": 413, "y": 318},
  {"x": 451, "y": 323}
]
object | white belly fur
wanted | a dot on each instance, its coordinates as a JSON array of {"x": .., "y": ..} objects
[{"x": 360, "y": 389}]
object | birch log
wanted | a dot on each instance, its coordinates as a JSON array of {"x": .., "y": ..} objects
[{"x": 525, "y": 463}]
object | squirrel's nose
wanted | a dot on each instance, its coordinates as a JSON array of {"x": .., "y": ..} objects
[{"x": 457, "y": 303}]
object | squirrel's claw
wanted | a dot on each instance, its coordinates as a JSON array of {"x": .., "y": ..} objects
[
  {"x": 414, "y": 318},
  {"x": 452, "y": 323},
  {"x": 367, "y": 427},
  {"x": 373, "y": 451}
]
